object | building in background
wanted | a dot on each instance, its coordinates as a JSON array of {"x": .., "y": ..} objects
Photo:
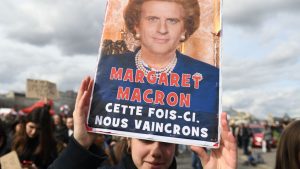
[{"x": 18, "y": 100}]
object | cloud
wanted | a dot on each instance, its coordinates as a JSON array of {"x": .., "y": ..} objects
[
  {"x": 281, "y": 63},
  {"x": 72, "y": 26},
  {"x": 37, "y": 39},
  {"x": 254, "y": 13},
  {"x": 24, "y": 61},
  {"x": 261, "y": 63},
  {"x": 265, "y": 101}
]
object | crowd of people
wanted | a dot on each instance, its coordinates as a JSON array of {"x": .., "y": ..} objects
[
  {"x": 40, "y": 136},
  {"x": 34, "y": 137}
]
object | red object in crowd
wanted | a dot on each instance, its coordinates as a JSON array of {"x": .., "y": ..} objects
[{"x": 37, "y": 104}]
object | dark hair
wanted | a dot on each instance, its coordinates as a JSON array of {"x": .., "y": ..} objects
[
  {"x": 288, "y": 150},
  {"x": 132, "y": 14},
  {"x": 3, "y": 137},
  {"x": 46, "y": 142}
]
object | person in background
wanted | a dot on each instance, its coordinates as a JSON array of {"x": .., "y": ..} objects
[
  {"x": 35, "y": 143},
  {"x": 104, "y": 147},
  {"x": 238, "y": 135},
  {"x": 60, "y": 129},
  {"x": 4, "y": 145},
  {"x": 288, "y": 150},
  {"x": 268, "y": 137},
  {"x": 70, "y": 125},
  {"x": 115, "y": 149},
  {"x": 16, "y": 127},
  {"x": 246, "y": 135}
]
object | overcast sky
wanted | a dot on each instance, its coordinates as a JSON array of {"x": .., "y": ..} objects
[{"x": 58, "y": 41}]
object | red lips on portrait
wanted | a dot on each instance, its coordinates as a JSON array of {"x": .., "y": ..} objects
[{"x": 160, "y": 40}]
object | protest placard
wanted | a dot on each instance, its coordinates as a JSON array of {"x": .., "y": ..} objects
[
  {"x": 158, "y": 74},
  {"x": 10, "y": 161},
  {"x": 41, "y": 89}
]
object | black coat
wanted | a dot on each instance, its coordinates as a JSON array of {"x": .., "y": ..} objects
[{"x": 76, "y": 157}]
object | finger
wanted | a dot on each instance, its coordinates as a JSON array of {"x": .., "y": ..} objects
[
  {"x": 204, "y": 157},
  {"x": 82, "y": 88},
  {"x": 228, "y": 142},
  {"x": 228, "y": 146},
  {"x": 82, "y": 101},
  {"x": 89, "y": 91},
  {"x": 85, "y": 99},
  {"x": 224, "y": 122},
  {"x": 79, "y": 101},
  {"x": 227, "y": 137},
  {"x": 224, "y": 127},
  {"x": 90, "y": 84},
  {"x": 230, "y": 151}
]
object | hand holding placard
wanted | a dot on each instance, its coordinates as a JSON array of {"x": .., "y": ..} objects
[{"x": 84, "y": 138}]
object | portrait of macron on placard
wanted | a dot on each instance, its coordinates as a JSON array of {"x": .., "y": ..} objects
[{"x": 158, "y": 72}]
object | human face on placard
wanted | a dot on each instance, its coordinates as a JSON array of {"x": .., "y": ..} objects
[
  {"x": 161, "y": 26},
  {"x": 151, "y": 154}
]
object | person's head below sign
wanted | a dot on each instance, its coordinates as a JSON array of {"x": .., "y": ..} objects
[{"x": 161, "y": 25}]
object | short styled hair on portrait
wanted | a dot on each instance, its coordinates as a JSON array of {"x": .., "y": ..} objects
[{"x": 132, "y": 14}]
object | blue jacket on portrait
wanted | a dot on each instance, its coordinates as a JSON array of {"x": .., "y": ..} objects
[{"x": 204, "y": 100}]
